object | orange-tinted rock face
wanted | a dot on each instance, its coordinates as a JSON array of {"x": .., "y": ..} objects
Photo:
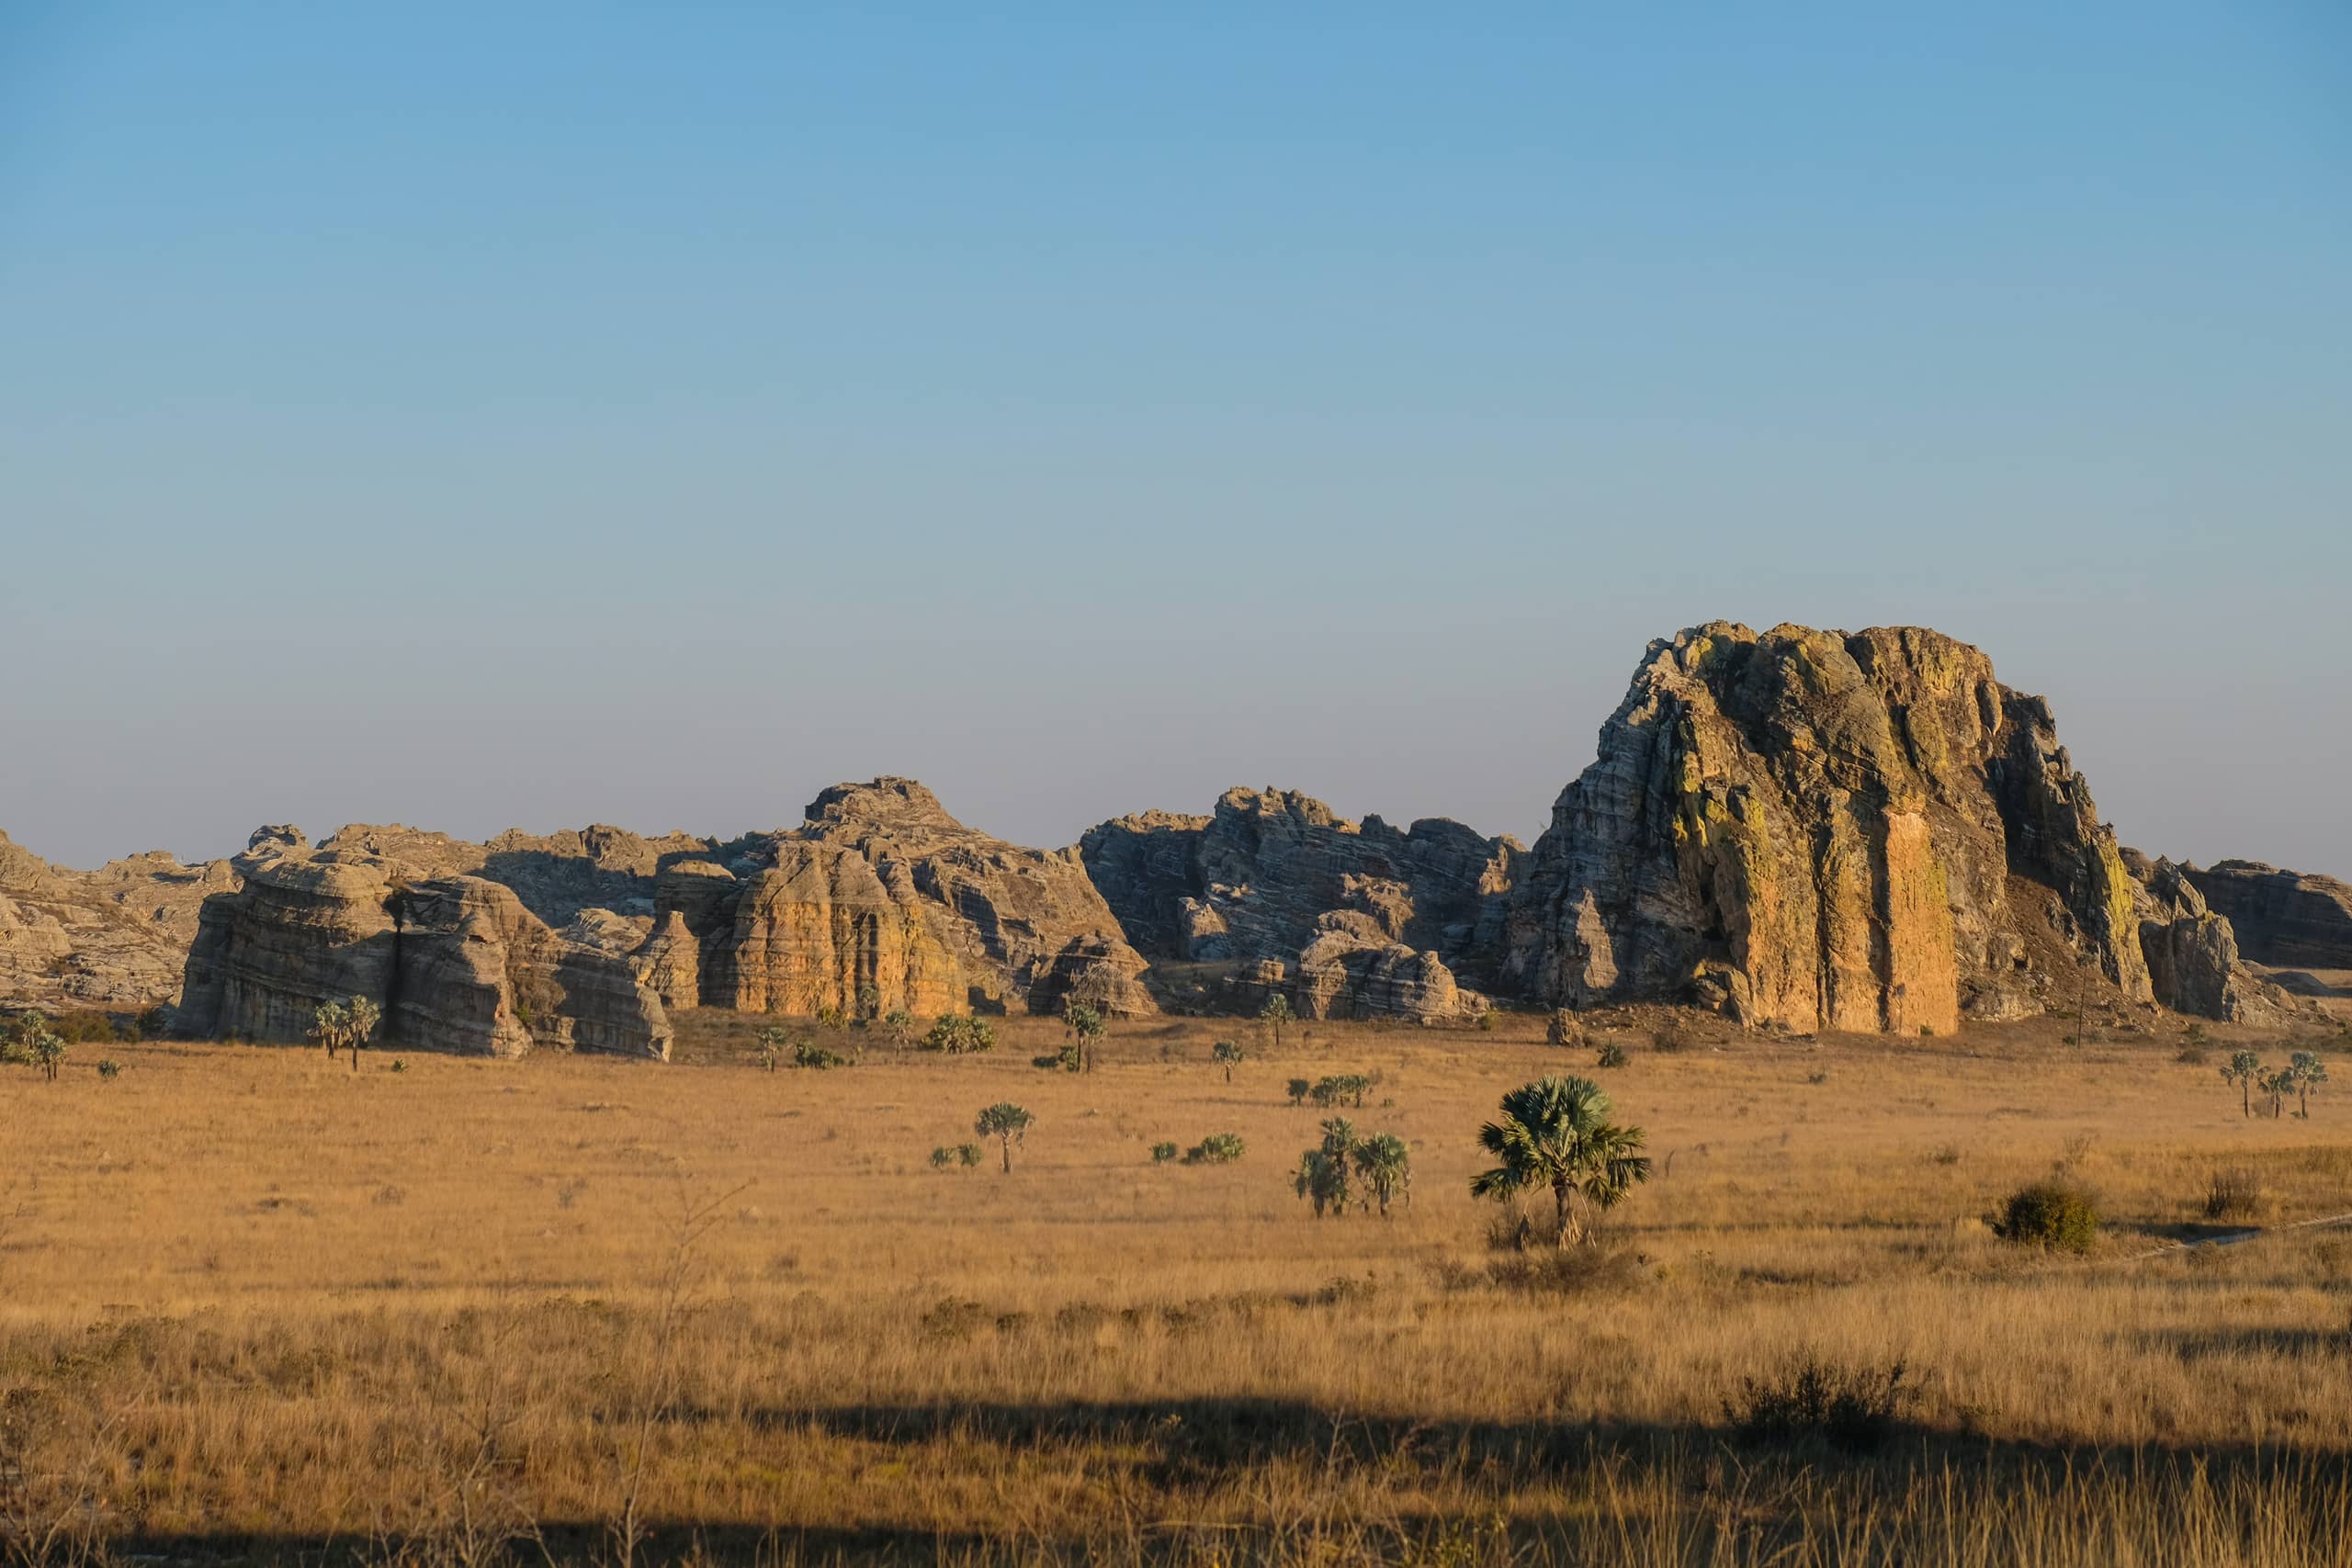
[{"x": 1816, "y": 831}]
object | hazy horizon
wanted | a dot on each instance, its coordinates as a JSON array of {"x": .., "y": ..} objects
[{"x": 556, "y": 415}]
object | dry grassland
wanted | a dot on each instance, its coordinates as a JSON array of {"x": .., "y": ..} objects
[{"x": 253, "y": 1305}]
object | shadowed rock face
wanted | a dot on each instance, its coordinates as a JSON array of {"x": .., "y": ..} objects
[
  {"x": 1820, "y": 831},
  {"x": 1368, "y": 920},
  {"x": 2282, "y": 917}
]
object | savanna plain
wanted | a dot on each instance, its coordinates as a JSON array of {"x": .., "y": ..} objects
[{"x": 255, "y": 1305}]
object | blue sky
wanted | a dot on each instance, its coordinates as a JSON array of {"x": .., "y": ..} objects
[{"x": 536, "y": 415}]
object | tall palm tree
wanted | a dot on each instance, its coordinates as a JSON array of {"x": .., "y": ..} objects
[{"x": 1555, "y": 1132}]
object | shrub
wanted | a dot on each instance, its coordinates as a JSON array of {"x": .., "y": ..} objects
[
  {"x": 968, "y": 1154},
  {"x": 1579, "y": 1271},
  {"x": 1218, "y": 1148},
  {"x": 1163, "y": 1153},
  {"x": 1564, "y": 1030},
  {"x": 942, "y": 1157},
  {"x": 1927, "y": 1031},
  {"x": 1612, "y": 1055},
  {"x": 1298, "y": 1091},
  {"x": 2194, "y": 1056},
  {"x": 1070, "y": 1058},
  {"x": 2233, "y": 1194},
  {"x": 831, "y": 1017},
  {"x": 1809, "y": 1400},
  {"x": 399, "y": 1065},
  {"x": 109, "y": 1069},
  {"x": 806, "y": 1053},
  {"x": 87, "y": 1026},
  {"x": 1670, "y": 1036},
  {"x": 960, "y": 1033},
  {"x": 1488, "y": 1019},
  {"x": 2050, "y": 1214}
]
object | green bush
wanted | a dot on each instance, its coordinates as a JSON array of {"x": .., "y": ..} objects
[
  {"x": 1163, "y": 1153},
  {"x": 109, "y": 1069},
  {"x": 1612, "y": 1055},
  {"x": 2049, "y": 1214},
  {"x": 1218, "y": 1148}
]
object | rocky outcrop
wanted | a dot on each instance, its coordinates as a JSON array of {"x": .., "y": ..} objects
[
  {"x": 882, "y": 900},
  {"x": 2192, "y": 955},
  {"x": 1823, "y": 831},
  {"x": 587, "y": 941},
  {"x": 2282, "y": 917},
  {"x": 1370, "y": 921},
  {"x": 114, "y": 938},
  {"x": 456, "y": 962}
]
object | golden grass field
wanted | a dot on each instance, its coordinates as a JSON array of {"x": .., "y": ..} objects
[{"x": 254, "y": 1305}]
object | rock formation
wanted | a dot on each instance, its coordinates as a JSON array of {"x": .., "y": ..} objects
[
  {"x": 113, "y": 938},
  {"x": 2282, "y": 917},
  {"x": 882, "y": 896},
  {"x": 1860, "y": 832},
  {"x": 455, "y": 961},
  {"x": 587, "y": 941},
  {"x": 1360, "y": 920}
]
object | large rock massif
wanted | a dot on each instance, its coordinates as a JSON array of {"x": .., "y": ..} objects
[
  {"x": 1865, "y": 832},
  {"x": 1356, "y": 919},
  {"x": 2282, "y": 917}
]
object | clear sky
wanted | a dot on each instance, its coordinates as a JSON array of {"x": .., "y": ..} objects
[{"x": 481, "y": 415}]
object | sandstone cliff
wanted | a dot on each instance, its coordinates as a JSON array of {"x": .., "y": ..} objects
[
  {"x": 1860, "y": 832},
  {"x": 882, "y": 895},
  {"x": 2282, "y": 917},
  {"x": 455, "y": 961},
  {"x": 1358, "y": 919}
]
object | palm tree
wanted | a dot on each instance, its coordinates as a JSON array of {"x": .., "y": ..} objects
[
  {"x": 1004, "y": 1121},
  {"x": 1227, "y": 1053},
  {"x": 1387, "y": 1166},
  {"x": 2309, "y": 1072},
  {"x": 1086, "y": 1023},
  {"x": 1322, "y": 1175},
  {"x": 1322, "y": 1181},
  {"x": 1275, "y": 1014},
  {"x": 328, "y": 1026},
  {"x": 2241, "y": 1069},
  {"x": 1555, "y": 1132},
  {"x": 360, "y": 1019},
  {"x": 901, "y": 1025}
]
